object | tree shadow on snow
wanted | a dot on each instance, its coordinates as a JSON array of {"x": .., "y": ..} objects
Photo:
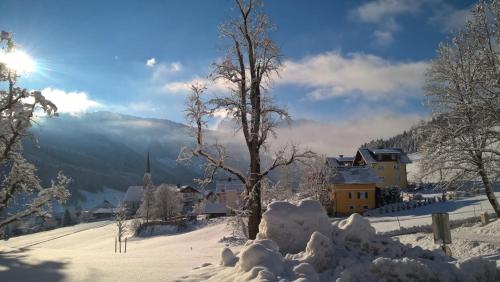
[{"x": 13, "y": 268}]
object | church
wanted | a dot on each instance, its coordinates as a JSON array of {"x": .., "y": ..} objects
[{"x": 133, "y": 196}]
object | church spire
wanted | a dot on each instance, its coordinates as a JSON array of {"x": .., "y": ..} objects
[{"x": 148, "y": 165}]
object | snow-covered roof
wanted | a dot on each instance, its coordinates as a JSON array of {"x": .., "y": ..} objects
[
  {"x": 188, "y": 189},
  {"x": 229, "y": 186},
  {"x": 134, "y": 194},
  {"x": 105, "y": 210},
  {"x": 339, "y": 161},
  {"x": 104, "y": 205},
  {"x": 369, "y": 154},
  {"x": 214, "y": 208},
  {"x": 355, "y": 175}
]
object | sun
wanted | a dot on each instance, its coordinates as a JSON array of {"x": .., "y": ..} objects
[{"x": 18, "y": 61}]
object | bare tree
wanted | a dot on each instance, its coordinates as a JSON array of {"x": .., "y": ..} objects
[
  {"x": 167, "y": 202},
  {"x": 251, "y": 60},
  {"x": 120, "y": 218},
  {"x": 148, "y": 198},
  {"x": 463, "y": 89},
  {"x": 316, "y": 180},
  {"x": 18, "y": 176}
]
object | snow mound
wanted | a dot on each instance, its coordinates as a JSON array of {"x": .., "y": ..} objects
[
  {"x": 291, "y": 226},
  {"x": 347, "y": 250}
]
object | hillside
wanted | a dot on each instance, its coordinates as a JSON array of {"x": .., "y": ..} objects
[
  {"x": 410, "y": 141},
  {"x": 104, "y": 149}
]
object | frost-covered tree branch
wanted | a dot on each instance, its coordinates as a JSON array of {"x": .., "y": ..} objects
[
  {"x": 463, "y": 89},
  {"x": 251, "y": 61},
  {"x": 18, "y": 176}
]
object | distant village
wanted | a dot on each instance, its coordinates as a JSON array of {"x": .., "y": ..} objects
[{"x": 370, "y": 179}]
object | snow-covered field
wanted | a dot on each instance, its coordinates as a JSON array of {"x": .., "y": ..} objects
[
  {"x": 457, "y": 209},
  {"x": 467, "y": 241},
  {"x": 85, "y": 252}
]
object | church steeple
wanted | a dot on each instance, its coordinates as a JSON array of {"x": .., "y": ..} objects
[
  {"x": 147, "y": 180},
  {"x": 148, "y": 165}
]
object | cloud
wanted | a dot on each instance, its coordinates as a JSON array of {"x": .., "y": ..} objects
[
  {"x": 182, "y": 87},
  {"x": 151, "y": 62},
  {"x": 380, "y": 10},
  {"x": 70, "y": 102},
  {"x": 346, "y": 136},
  {"x": 449, "y": 18},
  {"x": 163, "y": 70},
  {"x": 333, "y": 75},
  {"x": 383, "y": 13}
]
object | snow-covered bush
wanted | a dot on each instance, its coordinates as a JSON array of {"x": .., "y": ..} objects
[{"x": 346, "y": 250}]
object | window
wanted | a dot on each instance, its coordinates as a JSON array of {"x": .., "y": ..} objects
[
  {"x": 366, "y": 195},
  {"x": 362, "y": 195},
  {"x": 396, "y": 167},
  {"x": 365, "y": 207},
  {"x": 380, "y": 167},
  {"x": 350, "y": 195},
  {"x": 359, "y": 195},
  {"x": 351, "y": 207}
]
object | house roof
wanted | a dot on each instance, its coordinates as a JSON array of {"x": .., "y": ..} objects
[
  {"x": 133, "y": 194},
  {"x": 229, "y": 185},
  {"x": 104, "y": 205},
  {"x": 214, "y": 208},
  {"x": 337, "y": 161},
  {"x": 369, "y": 154},
  {"x": 355, "y": 175},
  {"x": 105, "y": 211},
  {"x": 188, "y": 189}
]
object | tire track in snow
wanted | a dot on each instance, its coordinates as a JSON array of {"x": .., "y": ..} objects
[{"x": 63, "y": 235}]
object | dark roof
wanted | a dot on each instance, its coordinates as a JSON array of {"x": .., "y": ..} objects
[
  {"x": 355, "y": 175},
  {"x": 188, "y": 189},
  {"x": 369, "y": 154}
]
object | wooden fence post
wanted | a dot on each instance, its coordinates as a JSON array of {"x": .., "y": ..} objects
[
  {"x": 115, "y": 244},
  {"x": 125, "y": 244},
  {"x": 120, "y": 241}
]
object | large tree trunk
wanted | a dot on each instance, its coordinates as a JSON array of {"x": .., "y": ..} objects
[
  {"x": 254, "y": 203},
  {"x": 488, "y": 189}
]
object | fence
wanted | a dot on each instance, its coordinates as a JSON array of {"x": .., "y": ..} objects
[{"x": 399, "y": 225}]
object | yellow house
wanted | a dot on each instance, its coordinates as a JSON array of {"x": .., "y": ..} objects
[
  {"x": 388, "y": 163},
  {"x": 352, "y": 190},
  {"x": 230, "y": 193}
]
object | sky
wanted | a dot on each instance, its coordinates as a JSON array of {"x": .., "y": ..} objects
[{"x": 349, "y": 65}]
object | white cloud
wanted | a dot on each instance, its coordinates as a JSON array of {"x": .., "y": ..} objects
[
  {"x": 337, "y": 138},
  {"x": 381, "y": 10},
  {"x": 70, "y": 102},
  {"x": 180, "y": 87},
  {"x": 163, "y": 70},
  {"x": 334, "y": 75},
  {"x": 151, "y": 62},
  {"x": 449, "y": 18}
]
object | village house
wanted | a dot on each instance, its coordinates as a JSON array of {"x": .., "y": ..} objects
[
  {"x": 388, "y": 163},
  {"x": 352, "y": 190},
  {"x": 190, "y": 197}
]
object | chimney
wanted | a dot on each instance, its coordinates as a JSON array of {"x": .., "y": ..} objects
[{"x": 341, "y": 156}]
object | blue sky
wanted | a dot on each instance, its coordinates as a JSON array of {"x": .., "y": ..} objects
[{"x": 346, "y": 62}]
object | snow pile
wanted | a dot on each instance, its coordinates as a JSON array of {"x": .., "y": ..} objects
[
  {"x": 347, "y": 250},
  {"x": 291, "y": 226}
]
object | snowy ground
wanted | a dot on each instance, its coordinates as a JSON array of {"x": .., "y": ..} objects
[
  {"x": 457, "y": 209},
  {"x": 467, "y": 241},
  {"x": 85, "y": 252}
]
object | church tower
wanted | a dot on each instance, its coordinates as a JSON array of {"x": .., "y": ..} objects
[{"x": 148, "y": 180}]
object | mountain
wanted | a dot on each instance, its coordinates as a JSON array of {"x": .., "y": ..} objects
[{"x": 104, "y": 149}]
